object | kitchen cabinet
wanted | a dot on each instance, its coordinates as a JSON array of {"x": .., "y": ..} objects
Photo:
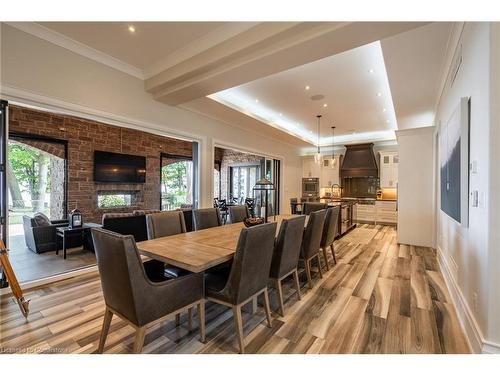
[
  {"x": 366, "y": 213},
  {"x": 386, "y": 212},
  {"x": 389, "y": 161},
  {"x": 327, "y": 174}
]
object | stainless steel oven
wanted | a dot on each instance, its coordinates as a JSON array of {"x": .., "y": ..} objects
[{"x": 310, "y": 187}]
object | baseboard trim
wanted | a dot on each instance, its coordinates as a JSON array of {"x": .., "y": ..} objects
[{"x": 472, "y": 331}]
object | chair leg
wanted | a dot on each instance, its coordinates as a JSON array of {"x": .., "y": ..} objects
[
  {"x": 319, "y": 266},
  {"x": 177, "y": 319},
  {"x": 267, "y": 308},
  {"x": 308, "y": 273},
  {"x": 326, "y": 259},
  {"x": 190, "y": 319},
  {"x": 108, "y": 315},
  {"x": 333, "y": 253},
  {"x": 201, "y": 320},
  {"x": 139, "y": 339},
  {"x": 239, "y": 327},
  {"x": 279, "y": 291},
  {"x": 297, "y": 284}
]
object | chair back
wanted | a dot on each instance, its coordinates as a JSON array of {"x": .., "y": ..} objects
[
  {"x": 330, "y": 228},
  {"x": 188, "y": 218},
  {"x": 238, "y": 213},
  {"x": 287, "y": 247},
  {"x": 250, "y": 203},
  {"x": 206, "y": 218},
  {"x": 164, "y": 224},
  {"x": 313, "y": 206},
  {"x": 145, "y": 212},
  {"x": 120, "y": 270},
  {"x": 251, "y": 264},
  {"x": 312, "y": 235},
  {"x": 123, "y": 223}
]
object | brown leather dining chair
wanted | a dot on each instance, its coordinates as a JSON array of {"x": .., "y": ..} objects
[
  {"x": 247, "y": 277},
  {"x": 204, "y": 218},
  {"x": 239, "y": 213},
  {"x": 330, "y": 230},
  {"x": 130, "y": 294},
  {"x": 286, "y": 255},
  {"x": 311, "y": 242}
]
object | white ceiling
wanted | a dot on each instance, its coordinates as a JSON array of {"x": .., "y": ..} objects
[
  {"x": 415, "y": 63},
  {"x": 350, "y": 82},
  {"x": 150, "y": 42}
]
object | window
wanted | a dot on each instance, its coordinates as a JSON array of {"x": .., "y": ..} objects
[
  {"x": 243, "y": 180},
  {"x": 176, "y": 182},
  {"x": 108, "y": 199}
]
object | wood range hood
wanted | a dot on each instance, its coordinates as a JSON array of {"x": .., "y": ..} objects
[{"x": 359, "y": 161}]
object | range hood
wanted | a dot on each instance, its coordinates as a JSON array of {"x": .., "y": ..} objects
[{"x": 359, "y": 161}]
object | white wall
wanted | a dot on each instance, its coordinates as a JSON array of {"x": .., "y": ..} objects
[
  {"x": 416, "y": 209},
  {"x": 466, "y": 250},
  {"x": 34, "y": 71}
]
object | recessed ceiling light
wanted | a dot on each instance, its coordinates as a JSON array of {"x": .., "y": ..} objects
[
  {"x": 131, "y": 28},
  {"x": 371, "y": 71},
  {"x": 387, "y": 121},
  {"x": 379, "y": 94},
  {"x": 256, "y": 100},
  {"x": 281, "y": 114},
  {"x": 310, "y": 131},
  {"x": 307, "y": 87},
  {"x": 325, "y": 105},
  {"x": 383, "y": 110}
]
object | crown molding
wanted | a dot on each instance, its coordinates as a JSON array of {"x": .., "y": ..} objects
[{"x": 72, "y": 45}]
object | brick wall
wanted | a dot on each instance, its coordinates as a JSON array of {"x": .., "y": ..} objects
[{"x": 85, "y": 136}]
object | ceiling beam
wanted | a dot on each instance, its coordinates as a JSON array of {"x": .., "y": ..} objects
[{"x": 262, "y": 50}]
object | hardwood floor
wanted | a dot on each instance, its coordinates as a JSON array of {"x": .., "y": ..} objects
[{"x": 379, "y": 298}]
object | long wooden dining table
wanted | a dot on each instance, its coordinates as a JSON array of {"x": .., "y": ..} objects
[{"x": 199, "y": 250}]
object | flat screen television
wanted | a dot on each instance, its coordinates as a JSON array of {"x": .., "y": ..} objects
[{"x": 119, "y": 168}]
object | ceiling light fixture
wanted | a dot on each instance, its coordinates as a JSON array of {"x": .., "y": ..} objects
[
  {"x": 131, "y": 28},
  {"x": 383, "y": 110},
  {"x": 307, "y": 87},
  {"x": 325, "y": 105},
  {"x": 371, "y": 71},
  {"x": 379, "y": 94},
  {"x": 281, "y": 114},
  {"x": 256, "y": 100},
  {"x": 317, "y": 157}
]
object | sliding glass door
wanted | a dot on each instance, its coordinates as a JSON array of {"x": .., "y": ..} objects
[
  {"x": 176, "y": 182},
  {"x": 243, "y": 179}
]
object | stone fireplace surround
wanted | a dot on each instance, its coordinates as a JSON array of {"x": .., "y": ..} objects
[{"x": 84, "y": 136}]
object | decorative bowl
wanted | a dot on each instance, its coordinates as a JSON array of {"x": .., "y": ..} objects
[{"x": 252, "y": 221}]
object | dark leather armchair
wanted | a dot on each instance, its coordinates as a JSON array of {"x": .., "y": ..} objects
[
  {"x": 330, "y": 230},
  {"x": 130, "y": 294},
  {"x": 206, "y": 218},
  {"x": 40, "y": 235},
  {"x": 311, "y": 242},
  {"x": 237, "y": 214},
  {"x": 286, "y": 255},
  {"x": 313, "y": 206},
  {"x": 248, "y": 275}
]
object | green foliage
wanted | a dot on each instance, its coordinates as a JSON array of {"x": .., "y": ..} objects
[
  {"x": 24, "y": 163},
  {"x": 111, "y": 200},
  {"x": 174, "y": 184}
]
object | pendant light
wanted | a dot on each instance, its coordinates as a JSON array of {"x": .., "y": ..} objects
[
  {"x": 317, "y": 157},
  {"x": 334, "y": 161}
]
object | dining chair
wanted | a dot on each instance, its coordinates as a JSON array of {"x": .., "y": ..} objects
[
  {"x": 330, "y": 231},
  {"x": 239, "y": 213},
  {"x": 286, "y": 255},
  {"x": 206, "y": 218},
  {"x": 311, "y": 243},
  {"x": 131, "y": 295},
  {"x": 309, "y": 207},
  {"x": 250, "y": 203},
  {"x": 247, "y": 277}
]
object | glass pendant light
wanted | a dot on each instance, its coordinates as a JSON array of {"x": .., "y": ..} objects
[
  {"x": 334, "y": 161},
  {"x": 317, "y": 157}
]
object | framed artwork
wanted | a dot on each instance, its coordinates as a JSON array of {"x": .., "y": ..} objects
[{"x": 454, "y": 164}]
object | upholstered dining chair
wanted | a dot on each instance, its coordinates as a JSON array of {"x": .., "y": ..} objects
[
  {"x": 239, "y": 213},
  {"x": 206, "y": 218},
  {"x": 312, "y": 206},
  {"x": 330, "y": 231},
  {"x": 286, "y": 255},
  {"x": 131, "y": 295},
  {"x": 248, "y": 275},
  {"x": 311, "y": 242}
]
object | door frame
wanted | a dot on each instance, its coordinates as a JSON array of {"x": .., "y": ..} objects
[{"x": 194, "y": 181}]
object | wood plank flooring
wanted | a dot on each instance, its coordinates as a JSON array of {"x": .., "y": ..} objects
[{"x": 379, "y": 298}]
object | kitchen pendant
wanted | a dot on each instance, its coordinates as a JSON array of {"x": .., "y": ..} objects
[
  {"x": 334, "y": 161},
  {"x": 318, "y": 159}
]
